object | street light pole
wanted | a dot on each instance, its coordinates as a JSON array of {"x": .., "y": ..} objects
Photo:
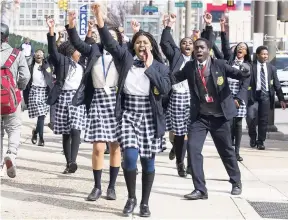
[
  {"x": 188, "y": 19},
  {"x": 270, "y": 20}
]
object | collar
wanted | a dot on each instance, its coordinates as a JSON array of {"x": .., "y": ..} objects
[
  {"x": 239, "y": 61},
  {"x": 204, "y": 63},
  {"x": 186, "y": 58},
  {"x": 259, "y": 64}
]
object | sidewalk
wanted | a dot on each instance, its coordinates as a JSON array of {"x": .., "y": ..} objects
[{"x": 40, "y": 191}]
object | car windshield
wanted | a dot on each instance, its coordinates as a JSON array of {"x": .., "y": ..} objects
[{"x": 282, "y": 63}]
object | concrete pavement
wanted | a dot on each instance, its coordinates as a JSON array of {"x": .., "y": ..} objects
[{"x": 40, "y": 191}]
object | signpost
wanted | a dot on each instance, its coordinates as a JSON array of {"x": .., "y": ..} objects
[
  {"x": 193, "y": 4},
  {"x": 83, "y": 20},
  {"x": 152, "y": 9}
]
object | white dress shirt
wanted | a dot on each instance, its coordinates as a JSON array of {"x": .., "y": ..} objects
[
  {"x": 38, "y": 77},
  {"x": 258, "y": 87},
  {"x": 99, "y": 80},
  {"x": 137, "y": 83},
  {"x": 73, "y": 78},
  {"x": 183, "y": 86}
]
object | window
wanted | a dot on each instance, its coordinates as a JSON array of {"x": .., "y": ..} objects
[
  {"x": 34, "y": 5},
  {"x": 27, "y": 22},
  {"x": 34, "y": 13},
  {"x": 40, "y": 12},
  {"x": 40, "y": 5},
  {"x": 34, "y": 23},
  {"x": 28, "y": 16},
  {"x": 46, "y": 5},
  {"x": 46, "y": 12},
  {"x": 22, "y": 5},
  {"x": 40, "y": 23},
  {"x": 52, "y": 12},
  {"x": 21, "y": 22},
  {"x": 21, "y": 15},
  {"x": 51, "y": 5},
  {"x": 61, "y": 16},
  {"x": 28, "y": 5}
]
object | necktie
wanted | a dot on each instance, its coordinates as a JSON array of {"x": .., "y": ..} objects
[
  {"x": 139, "y": 63},
  {"x": 200, "y": 66},
  {"x": 263, "y": 80}
]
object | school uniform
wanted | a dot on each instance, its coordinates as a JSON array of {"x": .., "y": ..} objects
[{"x": 212, "y": 106}]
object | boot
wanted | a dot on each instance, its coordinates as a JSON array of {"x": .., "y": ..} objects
[{"x": 147, "y": 182}]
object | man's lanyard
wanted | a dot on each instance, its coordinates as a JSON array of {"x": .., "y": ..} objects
[
  {"x": 201, "y": 72},
  {"x": 105, "y": 72}
]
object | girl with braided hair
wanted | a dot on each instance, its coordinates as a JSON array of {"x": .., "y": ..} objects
[{"x": 143, "y": 80}]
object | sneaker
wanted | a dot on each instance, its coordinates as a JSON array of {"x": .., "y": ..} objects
[{"x": 9, "y": 161}]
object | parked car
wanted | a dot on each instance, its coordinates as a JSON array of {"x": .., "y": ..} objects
[{"x": 282, "y": 72}]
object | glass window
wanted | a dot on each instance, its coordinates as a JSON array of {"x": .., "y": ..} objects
[
  {"x": 40, "y": 23},
  {"x": 61, "y": 16},
  {"x": 40, "y": 5},
  {"x": 33, "y": 16},
  {"x": 28, "y": 16},
  {"x": 46, "y": 12},
  {"x": 22, "y": 5},
  {"x": 51, "y": 5},
  {"x": 34, "y": 13},
  {"x": 34, "y": 23},
  {"x": 51, "y": 12},
  {"x": 21, "y": 22},
  {"x": 21, "y": 16},
  {"x": 28, "y": 5},
  {"x": 281, "y": 63},
  {"x": 46, "y": 5},
  {"x": 40, "y": 12},
  {"x": 27, "y": 22},
  {"x": 34, "y": 5}
]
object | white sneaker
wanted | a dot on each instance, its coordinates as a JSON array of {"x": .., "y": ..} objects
[{"x": 9, "y": 161}]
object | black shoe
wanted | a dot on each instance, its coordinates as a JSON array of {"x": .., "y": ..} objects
[
  {"x": 111, "y": 194},
  {"x": 253, "y": 143},
  {"x": 239, "y": 158},
  {"x": 34, "y": 137},
  {"x": 94, "y": 195},
  {"x": 144, "y": 210},
  {"x": 73, "y": 167},
  {"x": 236, "y": 189},
  {"x": 260, "y": 146},
  {"x": 51, "y": 126},
  {"x": 195, "y": 195},
  {"x": 172, "y": 154},
  {"x": 66, "y": 169},
  {"x": 181, "y": 170},
  {"x": 164, "y": 148},
  {"x": 129, "y": 207},
  {"x": 41, "y": 143}
]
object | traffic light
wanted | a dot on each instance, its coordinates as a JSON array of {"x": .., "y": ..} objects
[
  {"x": 230, "y": 3},
  {"x": 60, "y": 3},
  {"x": 65, "y": 5}
]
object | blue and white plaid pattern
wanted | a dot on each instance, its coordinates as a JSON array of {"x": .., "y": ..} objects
[
  {"x": 234, "y": 87},
  {"x": 178, "y": 113},
  {"x": 68, "y": 116},
  {"x": 37, "y": 102},
  {"x": 101, "y": 120},
  {"x": 137, "y": 127}
]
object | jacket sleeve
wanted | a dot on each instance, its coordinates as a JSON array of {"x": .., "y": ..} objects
[
  {"x": 225, "y": 46},
  {"x": 52, "y": 49},
  {"x": 209, "y": 35},
  {"x": 277, "y": 85},
  {"x": 111, "y": 45},
  {"x": 218, "y": 54},
  {"x": 83, "y": 47},
  {"x": 180, "y": 75},
  {"x": 23, "y": 72},
  {"x": 234, "y": 73},
  {"x": 243, "y": 91},
  {"x": 167, "y": 44},
  {"x": 160, "y": 80}
]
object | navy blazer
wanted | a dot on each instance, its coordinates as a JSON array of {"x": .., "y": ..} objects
[
  {"x": 158, "y": 74},
  {"x": 84, "y": 94},
  {"x": 219, "y": 70},
  {"x": 273, "y": 83}
]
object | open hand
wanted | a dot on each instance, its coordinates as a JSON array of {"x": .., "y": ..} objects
[
  {"x": 135, "y": 25},
  {"x": 283, "y": 105},
  {"x": 50, "y": 22},
  {"x": 72, "y": 19}
]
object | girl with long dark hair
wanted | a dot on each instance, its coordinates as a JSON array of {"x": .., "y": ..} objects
[
  {"x": 143, "y": 80},
  {"x": 98, "y": 92}
]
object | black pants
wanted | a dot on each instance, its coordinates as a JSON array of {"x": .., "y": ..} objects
[
  {"x": 258, "y": 113},
  {"x": 236, "y": 132},
  {"x": 219, "y": 129}
]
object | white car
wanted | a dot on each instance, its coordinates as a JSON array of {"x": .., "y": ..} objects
[{"x": 282, "y": 73}]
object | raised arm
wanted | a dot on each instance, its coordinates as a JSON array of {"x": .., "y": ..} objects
[
  {"x": 167, "y": 43},
  {"x": 51, "y": 38},
  {"x": 110, "y": 44},
  {"x": 225, "y": 45},
  {"x": 84, "y": 48}
]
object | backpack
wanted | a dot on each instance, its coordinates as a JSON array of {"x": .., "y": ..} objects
[{"x": 10, "y": 94}]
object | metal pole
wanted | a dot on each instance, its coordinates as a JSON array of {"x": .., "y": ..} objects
[
  {"x": 270, "y": 20},
  {"x": 258, "y": 24},
  {"x": 170, "y": 7},
  {"x": 188, "y": 19}
]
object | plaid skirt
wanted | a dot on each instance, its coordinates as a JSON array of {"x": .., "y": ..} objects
[
  {"x": 234, "y": 87},
  {"x": 67, "y": 116},
  {"x": 101, "y": 122},
  {"x": 37, "y": 102},
  {"x": 178, "y": 113},
  {"x": 136, "y": 127}
]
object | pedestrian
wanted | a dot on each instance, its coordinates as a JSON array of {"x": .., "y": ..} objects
[
  {"x": 239, "y": 88},
  {"x": 69, "y": 119},
  {"x": 40, "y": 84},
  {"x": 264, "y": 83},
  {"x": 212, "y": 106},
  {"x": 28, "y": 50},
  {"x": 13, "y": 66},
  {"x": 143, "y": 79},
  {"x": 101, "y": 79}
]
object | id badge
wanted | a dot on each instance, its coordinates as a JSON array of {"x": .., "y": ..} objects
[
  {"x": 208, "y": 98},
  {"x": 107, "y": 90}
]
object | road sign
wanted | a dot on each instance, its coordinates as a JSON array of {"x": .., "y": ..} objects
[
  {"x": 150, "y": 9},
  {"x": 193, "y": 4},
  {"x": 83, "y": 20}
]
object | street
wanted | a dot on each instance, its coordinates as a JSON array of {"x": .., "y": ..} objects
[{"x": 41, "y": 191}]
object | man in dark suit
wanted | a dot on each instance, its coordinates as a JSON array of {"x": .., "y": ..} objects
[
  {"x": 264, "y": 84},
  {"x": 212, "y": 106}
]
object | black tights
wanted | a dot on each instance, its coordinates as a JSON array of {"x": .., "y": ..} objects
[
  {"x": 40, "y": 126},
  {"x": 236, "y": 132},
  {"x": 71, "y": 144},
  {"x": 179, "y": 148}
]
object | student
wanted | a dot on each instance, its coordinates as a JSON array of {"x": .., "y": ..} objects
[
  {"x": 143, "y": 79},
  {"x": 69, "y": 120}
]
